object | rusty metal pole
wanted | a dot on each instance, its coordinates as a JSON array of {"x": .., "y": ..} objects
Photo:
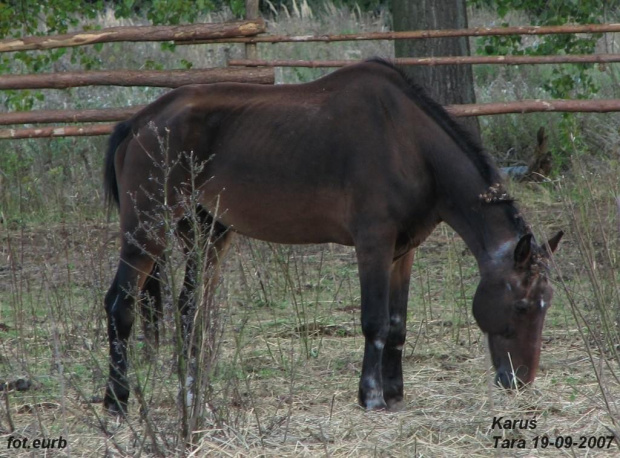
[{"x": 251, "y": 12}]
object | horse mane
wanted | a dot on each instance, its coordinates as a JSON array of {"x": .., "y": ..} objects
[
  {"x": 460, "y": 135},
  {"x": 466, "y": 142}
]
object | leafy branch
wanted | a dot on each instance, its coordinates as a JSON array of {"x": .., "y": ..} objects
[
  {"x": 566, "y": 81},
  {"x": 19, "y": 18}
]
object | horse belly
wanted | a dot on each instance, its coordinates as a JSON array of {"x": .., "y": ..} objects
[{"x": 277, "y": 213}]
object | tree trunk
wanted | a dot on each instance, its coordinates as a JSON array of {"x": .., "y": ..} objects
[{"x": 448, "y": 84}]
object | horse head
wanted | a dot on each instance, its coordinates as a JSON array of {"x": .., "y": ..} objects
[{"x": 510, "y": 305}]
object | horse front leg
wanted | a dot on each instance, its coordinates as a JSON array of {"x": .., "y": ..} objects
[
  {"x": 392, "y": 367},
  {"x": 374, "y": 257}
]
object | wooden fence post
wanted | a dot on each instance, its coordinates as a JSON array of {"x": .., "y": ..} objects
[{"x": 251, "y": 12}]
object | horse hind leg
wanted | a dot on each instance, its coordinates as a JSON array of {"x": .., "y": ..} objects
[
  {"x": 191, "y": 231},
  {"x": 151, "y": 309},
  {"x": 205, "y": 244},
  {"x": 131, "y": 276}
]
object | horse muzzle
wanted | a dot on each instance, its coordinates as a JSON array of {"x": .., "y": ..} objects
[{"x": 513, "y": 380}]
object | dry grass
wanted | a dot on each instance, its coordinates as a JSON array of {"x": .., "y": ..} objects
[{"x": 270, "y": 398}]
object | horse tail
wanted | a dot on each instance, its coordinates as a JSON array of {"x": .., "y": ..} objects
[{"x": 110, "y": 184}]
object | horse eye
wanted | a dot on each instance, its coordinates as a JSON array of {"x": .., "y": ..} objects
[{"x": 522, "y": 306}]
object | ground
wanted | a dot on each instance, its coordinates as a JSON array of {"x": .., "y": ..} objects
[{"x": 284, "y": 381}]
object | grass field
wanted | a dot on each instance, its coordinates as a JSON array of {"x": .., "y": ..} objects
[{"x": 284, "y": 376}]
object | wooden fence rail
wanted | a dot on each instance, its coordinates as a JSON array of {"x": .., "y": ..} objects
[
  {"x": 178, "y": 33},
  {"x": 155, "y": 78},
  {"x": 448, "y": 60},
  {"x": 535, "y": 105},
  {"x": 51, "y": 132},
  {"x": 246, "y": 32},
  {"x": 419, "y": 34},
  {"x": 58, "y": 116},
  {"x": 68, "y": 116}
]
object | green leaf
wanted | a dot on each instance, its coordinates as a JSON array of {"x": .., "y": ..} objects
[{"x": 186, "y": 64}]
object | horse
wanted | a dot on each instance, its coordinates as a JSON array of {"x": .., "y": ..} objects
[{"x": 361, "y": 157}]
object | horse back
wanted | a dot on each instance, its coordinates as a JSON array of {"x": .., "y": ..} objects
[{"x": 292, "y": 163}]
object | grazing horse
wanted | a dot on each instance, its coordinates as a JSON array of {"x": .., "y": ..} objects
[{"x": 361, "y": 157}]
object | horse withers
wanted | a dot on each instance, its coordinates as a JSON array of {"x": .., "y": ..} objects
[{"x": 361, "y": 157}]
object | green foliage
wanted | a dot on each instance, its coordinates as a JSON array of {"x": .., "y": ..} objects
[
  {"x": 29, "y": 18},
  {"x": 566, "y": 81},
  {"x": 237, "y": 7},
  {"x": 160, "y": 12}
]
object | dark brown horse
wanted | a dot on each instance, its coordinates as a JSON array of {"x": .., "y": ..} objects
[{"x": 360, "y": 157}]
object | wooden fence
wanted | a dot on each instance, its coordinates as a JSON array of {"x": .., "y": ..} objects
[
  {"x": 252, "y": 69},
  {"x": 119, "y": 114},
  {"x": 154, "y": 78},
  {"x": 179, "y": 34},
  {"x": 451, "y": 60}
]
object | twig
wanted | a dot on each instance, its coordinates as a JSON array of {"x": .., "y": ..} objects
[{"x": 8, "y": 408}]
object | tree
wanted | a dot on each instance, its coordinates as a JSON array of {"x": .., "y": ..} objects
[
  {"x": 448, "y": 84},
  {"x": 566, "y": 81},
  {"x": 20, "y": 18}
]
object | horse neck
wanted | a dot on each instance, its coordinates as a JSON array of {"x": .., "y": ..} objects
[{"x": 484, "y": 216}]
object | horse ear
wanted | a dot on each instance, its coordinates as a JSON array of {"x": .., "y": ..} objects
[
  {"x": 552, "y": 243},
  {"x": 523, "y": 251}
]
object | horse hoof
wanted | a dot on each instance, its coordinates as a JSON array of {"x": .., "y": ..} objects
[
  {"x": 374, "y": 405},
  {"x": 115, "y": 407},
  {"x": 396, "y": 405}
]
